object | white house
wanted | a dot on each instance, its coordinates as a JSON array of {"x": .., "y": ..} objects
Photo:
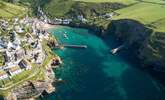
[
  {"x": 18, "y": 29},
  {"x": 15, "y": 70},
  {"x": 81, "y": 18},
  {"x": 67, "y": 21},
  {"x": 15, "y": 45},
  {"x": 3, "y": 75}
]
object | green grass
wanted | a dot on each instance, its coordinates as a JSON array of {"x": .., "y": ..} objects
[
  {"x": 8, "y": 10},
  {"x": 58, "y": 8},
  {"x": 118, "y": 1},
  {"x": 146, "y": 13},
  {"x": 70, "y": 8}
]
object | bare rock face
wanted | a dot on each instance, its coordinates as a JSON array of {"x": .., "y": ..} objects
[
  {"x": 129, "y": 31},
  {"x": 150, "y": 46}
]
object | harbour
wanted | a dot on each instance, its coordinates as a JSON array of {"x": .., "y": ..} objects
[{"x": 85, "y": 71}]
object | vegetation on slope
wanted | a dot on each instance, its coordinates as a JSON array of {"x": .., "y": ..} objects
[
  {"x": 147, "y": 13},
  {"x": 8, "y": 10},
  {"x": 70, "y": 8},
  {"x": 110, "y": 1},
  {"x": 151, "y": 14}
]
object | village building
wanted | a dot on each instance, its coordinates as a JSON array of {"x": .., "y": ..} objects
[
  {"x": 107, "y": 15},
  {"x": 19, "y": 54},
  {"x": 66, "y": 21},
  {"x": 81, "y": 18},
  {"x": 16, "y": 45},
  {"x": 3, "y": 75},
  {"x": 35, "y": 44},
  {"x": 13, "y": 36},
  {"x": 14, "y": 70},
  {"x": 4, "y": 24},
  {"x": 29, "y": 38},
  {"x": 57, "y": 21},
  {"x": 6, "y": 56},
  {"x": 24, "y": 64},
  {"x": 3, "y": 43},
  {"x": 16, "y": 21},
  {"x": 18, "y": 29}
]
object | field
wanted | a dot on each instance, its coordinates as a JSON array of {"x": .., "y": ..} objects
[
  {"x": 118, "y": 1},
  {"x": 9, "y": 10},
  {"x": 148, "y": 13}
]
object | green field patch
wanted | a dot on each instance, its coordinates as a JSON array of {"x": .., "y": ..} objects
[
  {"x": 8, "y": 10},
  {"x": 118, "y": 1},
  {"x": 146, "y": 13}
]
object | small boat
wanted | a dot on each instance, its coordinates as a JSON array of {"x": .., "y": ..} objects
[
  {"x": 114, "y": 51},
  {"x": 65, "y": 36},
  {"x": 60, "y": 79}
]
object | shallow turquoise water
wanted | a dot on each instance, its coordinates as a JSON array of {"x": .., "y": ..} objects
[{"x": 95, "y": 74}]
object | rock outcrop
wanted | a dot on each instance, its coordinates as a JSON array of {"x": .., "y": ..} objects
[{"x": 149, "y": 46}]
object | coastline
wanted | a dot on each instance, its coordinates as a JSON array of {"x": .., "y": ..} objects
[{"x": 46, "y": 26}]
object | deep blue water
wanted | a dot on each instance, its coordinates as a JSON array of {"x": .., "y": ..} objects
[{"x": 95, "y": 74}]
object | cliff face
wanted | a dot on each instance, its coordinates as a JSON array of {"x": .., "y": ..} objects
[
  {"x": 149, "y": 45},
  {"x": 153, "y": 50},
  {"x": 129, "y": 31}
]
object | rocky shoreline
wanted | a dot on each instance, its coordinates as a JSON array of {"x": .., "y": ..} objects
[{"x": 33, "y": 89}]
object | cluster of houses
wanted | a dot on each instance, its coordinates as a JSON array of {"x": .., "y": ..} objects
[
  {"x": 59, "y": 21},
  {"x": 19, "y": 52},
  {"x": 14, "y": 69}
]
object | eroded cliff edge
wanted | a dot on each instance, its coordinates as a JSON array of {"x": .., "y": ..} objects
[{"x": 149, "y": 46}]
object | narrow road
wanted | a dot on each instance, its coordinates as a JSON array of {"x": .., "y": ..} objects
[{"x": 32, "y": 75}]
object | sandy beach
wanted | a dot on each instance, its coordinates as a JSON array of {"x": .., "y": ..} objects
[{"x": 46, "y": 26}]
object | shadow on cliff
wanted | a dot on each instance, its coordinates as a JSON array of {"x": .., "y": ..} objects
[
  {"x": 136, "y": 36},
  {"x": 130, "y": 33}
]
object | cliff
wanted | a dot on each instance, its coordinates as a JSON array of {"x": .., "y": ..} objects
[{"x": 147, "y": 44}]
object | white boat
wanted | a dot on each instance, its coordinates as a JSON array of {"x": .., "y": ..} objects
[
  {"x": 60, "y": 79},
  {"x": 65, "y": 36}
]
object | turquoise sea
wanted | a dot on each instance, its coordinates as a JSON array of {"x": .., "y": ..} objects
[{"x": 95, "y": 74}]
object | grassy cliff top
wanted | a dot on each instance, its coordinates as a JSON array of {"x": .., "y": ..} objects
[
  {"x": 8, "y": 10},
  {"x": 150, "y": 13},
  {"x": 112, "y": 1}
]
